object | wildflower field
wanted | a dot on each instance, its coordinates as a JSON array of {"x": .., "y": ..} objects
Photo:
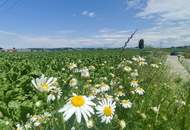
[{"x": 95, "y": 90}]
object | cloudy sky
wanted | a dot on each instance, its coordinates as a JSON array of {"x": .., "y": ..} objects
[{"x": 93, "y": 23}]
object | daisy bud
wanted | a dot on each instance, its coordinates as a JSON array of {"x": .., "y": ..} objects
[
  {"x": 89, "y": 123},
  {"x": 122, "y": 124}
]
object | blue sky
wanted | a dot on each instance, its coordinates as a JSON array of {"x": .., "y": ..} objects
[{"x": 93, "y": 23}]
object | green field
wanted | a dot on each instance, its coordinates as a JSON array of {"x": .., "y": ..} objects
[{"x": 138, "y": 82}]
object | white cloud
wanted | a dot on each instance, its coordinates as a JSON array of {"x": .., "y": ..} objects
[
  {"x": 172, "y": 10},
  {"x": 167, "y": 36},
  {"x": 10, "y": 40},
  {"x": 85, "y": 12},
  {"x": 88, "y": 13},
  {"x": 135, "y": 4},
  {"x": 170, "y": 20},
  {"x": 91, "y": 14}
]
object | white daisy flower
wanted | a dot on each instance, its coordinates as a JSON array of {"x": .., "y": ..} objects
[
  {"x": 36, "y": 120},
  {"x": 141, "y": 63},
  {"x": 132, "y": 92},
  {"x": 103, "y": 78},
  {"x": 106, "y": 110},
  {"x": 134, "y": 83},
  {"x": 120, "y": 94},
  {"x": 73, "y": 82},
  {"x": 112, "y": 75},
  {"x": 85, "y": 73},
  {"x": 73, "y": 128},
  {"x": 38, "y": 103},
  {"x": 91, "y": 67},
  {"x": 134, "y": 58},
  {"x": 120, "y": 65},
  {"x": 126, "y": 103},
  {"x": 55, "y": 93},
  {"x": 19, "y": 127},
  {"x": 28, "y": 125},
  {"x": 94, "y": 91},
  {"x": 50, "y": 98},
  {"x": 139, "y": 91},
  {"x": 127, "y": 69},
  {"x": 120, "y": 86},
  {"x": 78, "y": 105},
  {"x": 103, "y": 87},
  {"x": 139, "y": 60},
  {"x": 129, "y": 61},
  {"x": 111, "y": 67},
  {"x": 112, "y": 82},
  {"x": 107, "y": 96},
  {"x": 154, "y": 65},
  {"x": 72, "y": 66},
  {"x": 180, "y": 102},
  {"x": 44, "y": 84},
  {"x": 47, "y": 115},
  {"x": 134, "y": 74}
]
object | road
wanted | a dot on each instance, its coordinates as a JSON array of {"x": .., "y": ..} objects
[{"x": 176, "y": 68}]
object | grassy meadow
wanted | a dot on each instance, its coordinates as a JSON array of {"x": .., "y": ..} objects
[{"x": 95, "y": 90}]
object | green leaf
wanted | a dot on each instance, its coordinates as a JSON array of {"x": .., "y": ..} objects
[{"x": 14, "y": 104}]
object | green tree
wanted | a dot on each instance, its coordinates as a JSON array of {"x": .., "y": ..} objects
[{"x": 141, "y": 43}]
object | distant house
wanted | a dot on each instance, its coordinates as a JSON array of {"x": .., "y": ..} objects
[{"x": 11, "y": 50}]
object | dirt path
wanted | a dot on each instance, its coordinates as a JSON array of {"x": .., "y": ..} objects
[
  {"x": 188, "y": 60},
  {"x": 186, "y": 64},
  {"x": 177, "y": 68}
]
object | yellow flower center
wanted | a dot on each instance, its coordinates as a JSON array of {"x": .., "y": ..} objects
[
  {"x": 125, "y": 101},
  {"x": 139, "y": 89},
  {"x": 107, "y": 111},
  {"x": 103, "y": 85},
  {"x": 45, "y": 86},
  {"x": 77, "y": 101},
  {"x": 120, "y": 93},
  {"x": 134, "y": 81}
]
